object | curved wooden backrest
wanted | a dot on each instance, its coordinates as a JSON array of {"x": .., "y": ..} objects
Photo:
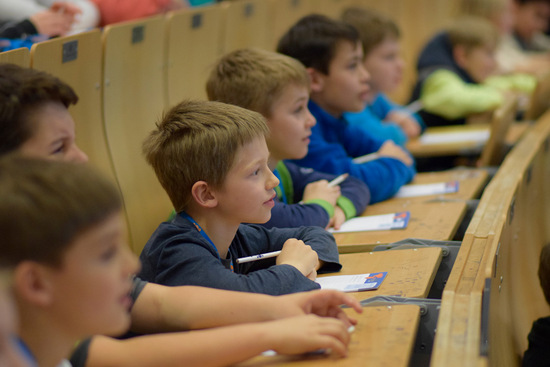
[
  {"x": 194, "y": 45},
  {"x": 245, "y": 24},
  {"x": 284, "y": 13},
  {"x": 540, "y": 99},
  {"x": 133, "y": 99},
  {"x": 495, "y": 148},
  {"x": 502, "y": 244},
  {"x": 19, "y": 56}
]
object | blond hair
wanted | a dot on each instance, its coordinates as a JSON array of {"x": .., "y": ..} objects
[
  {"x": 373, "y": 27},
  {"x": 254, "y": 78},
  {"x": 471, "y": 32},
  {"x": 197, "y": 141}
]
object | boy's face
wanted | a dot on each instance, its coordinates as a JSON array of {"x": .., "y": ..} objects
[
  {"x": 345, "y": 88},
  {"x": 9, "y": 353},
  {"x": 248, "y": 191},
  {"x": 478, "y": 61},
  {"x": 290, "y": 124},
  {"x": 531, "y": 18},
  {"x": 53, "y": 134},
  {"x": 385, "y": 66},
  {"x": 90, "y": 291}
]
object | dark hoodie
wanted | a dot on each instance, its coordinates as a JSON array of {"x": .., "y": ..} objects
[
  {"x": 436, "y": 55},
  {"x": 538, "y": 352}
]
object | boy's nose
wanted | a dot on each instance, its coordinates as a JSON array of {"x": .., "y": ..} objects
[
  {"x": 273, "y": 181},
  {"x": 311, "y": 120},
  {"x": 364, "y": 74}
]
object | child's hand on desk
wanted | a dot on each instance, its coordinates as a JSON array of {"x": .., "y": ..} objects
[
  {"x": 324, "y": 303},
  {"x": 338, "y": 219},
  {"x": 302, "y": 334},
  {"x": 321, "y": 190},
  {"x": 410, "y": 127},
  {"x": 390, "y": 149},
  {"x": 301, "y": 256}
]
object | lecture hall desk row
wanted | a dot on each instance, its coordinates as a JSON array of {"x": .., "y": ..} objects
[{"x": 434, "y": 217}]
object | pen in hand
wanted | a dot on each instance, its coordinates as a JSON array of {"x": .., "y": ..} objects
[
  {"x": 338, "y": 180},
  {"x": 267, "y": 255}
]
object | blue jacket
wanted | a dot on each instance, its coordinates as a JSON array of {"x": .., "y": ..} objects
[
  {"x": 176, "y": 254},
  {"x": 334, "y": 143},
  {"x": 289, "y": 213},
  {"x": 371, "y": 120}
]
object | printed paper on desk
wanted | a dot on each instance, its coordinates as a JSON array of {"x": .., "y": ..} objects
[
  {"x": 375, "y": 223},
  {"x": 353, "y": 283},
  {"x": 438, "y": 188},
  {"x": 479, "y": 137}
]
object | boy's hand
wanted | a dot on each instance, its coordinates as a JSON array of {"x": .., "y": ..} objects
[
  {"x": 338, "y": 219},
  {"x": 410, "y": 127},
  {"x": 309, "y": 333},
  {"x": 52, "y": 23},
  {"x": 301, "y": 256},
  {"x": 324, "y": 303},
  {"x": 321, "y": 190},
  {"x": 390, "y": 149}
]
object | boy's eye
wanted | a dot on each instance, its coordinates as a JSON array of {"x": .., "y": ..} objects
[
  {"x": 299, "y": 109},
  {"x": 109, "y": 253},
  {"x": 58, "y": 150}
]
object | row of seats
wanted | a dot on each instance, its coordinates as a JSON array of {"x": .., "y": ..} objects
[
  {"x": 127, "y": 74},
  {"x": 493, "y": 295}
]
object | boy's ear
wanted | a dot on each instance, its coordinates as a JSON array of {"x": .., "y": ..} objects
[
  {"x": 460, "y": 55},
  {"x": 316, "y": 79},
  {"x": 32, "y": 284},
  {"x": 204, "y": 195}
]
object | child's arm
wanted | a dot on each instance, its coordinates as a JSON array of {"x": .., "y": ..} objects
[
  {"x": 321, "y": 241},
  {"x": 445, "y": 94},
  {"x": 383, "y": 176},
  {"x": 188, "y": 259},
  {"x": 223, "y": 346},
  {"x": 161, "y": 309},
  {"x": 406, "y": 122}
]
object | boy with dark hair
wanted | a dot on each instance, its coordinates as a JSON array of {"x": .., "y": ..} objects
[
  {"x": 277, "y": 86},
  {"x": 332, "y": 54},
  {"x": 212, "y": 160}
]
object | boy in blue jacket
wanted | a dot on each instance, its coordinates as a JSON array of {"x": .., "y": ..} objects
[
  {"x": 277, "y": 86},
  {"x": 332, "y": 54},
  {"x": 382, "y": 59},
  {"x": 212, "y": 160}
]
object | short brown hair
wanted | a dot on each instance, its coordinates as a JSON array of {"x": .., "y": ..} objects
[
  {"x": 45, "y": 205},
  {"x": 373, "y": 27},
  {"x": 197, "y": 141},
  {"x": 472, "y": 31},
  {"x": 254, "y": 78},
  {"x": 21, "y": 91}
]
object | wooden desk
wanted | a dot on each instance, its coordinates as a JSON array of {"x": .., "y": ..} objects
[
  {"x": 419, "y": 149},
  {"x": 384, "y": 336},
  {"x": 470, "y": 180},
  {"x": 411, "y": 272},
  {"x": 431, "y": 220}
]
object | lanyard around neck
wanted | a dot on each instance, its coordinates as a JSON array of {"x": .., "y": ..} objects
[{"x": 205, "y": 236}]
